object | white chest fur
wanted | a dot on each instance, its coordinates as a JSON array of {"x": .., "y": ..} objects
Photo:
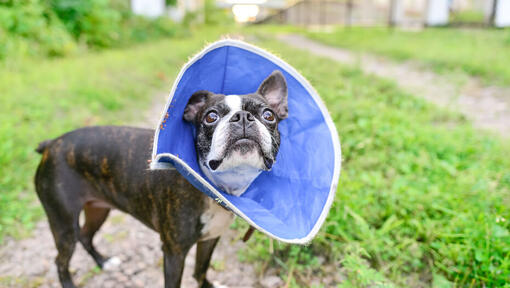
[
  {"x": 215, "y": 219},
  {"x": 233, "y": 181}
]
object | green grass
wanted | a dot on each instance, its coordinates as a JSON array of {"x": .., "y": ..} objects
[
  {"x": 43, "y": 99},
  {"x": 423, "y": 197},
  {"x": 468, "y": 17},
  {"x": 483, "y": 53}
]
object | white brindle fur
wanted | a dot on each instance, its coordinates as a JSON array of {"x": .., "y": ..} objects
[{"x": 215, "y": 219}]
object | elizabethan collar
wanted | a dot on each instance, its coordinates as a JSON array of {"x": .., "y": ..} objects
[{"x": 288, "y": 203}]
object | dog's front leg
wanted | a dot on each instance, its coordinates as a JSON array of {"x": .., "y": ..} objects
[
  {"x": 173, "y": 265},
  {"x": 203, "y": 259}
]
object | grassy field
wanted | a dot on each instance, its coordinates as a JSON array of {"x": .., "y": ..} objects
[
  {"x": 484, "y": 53},
  {"x": 43, "y": 99},
  {"x": 423, "y": 197}
]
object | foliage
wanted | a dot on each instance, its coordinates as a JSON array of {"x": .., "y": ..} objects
[
  {"x": 170, "y": 2},
  {"x": 29, "y": 27},
  {"x": 467, "y": 16},
  {"x": 422, "y": 199},
  {"x": 93, "y": 22},
  {"x": 43, "y": 99},
  {"x": 57, "y": 27},
  {"x": 481, "y": 53},
  {"x": 140, "y": 29},
  {"x": 216, "y": 16},
  {"x": 106, "y": 23}
]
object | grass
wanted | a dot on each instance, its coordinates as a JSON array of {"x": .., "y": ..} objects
[
  {"x": 483, "y": 53},
  {"x": 468, "y": 17},
  {"x": 43, "y": 99},
  {"x": 421, "y": 202}
]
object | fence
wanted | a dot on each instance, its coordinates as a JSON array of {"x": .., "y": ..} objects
[{"x": 394, "y": 13}]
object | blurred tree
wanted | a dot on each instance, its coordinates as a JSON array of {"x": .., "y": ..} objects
[
  {"x": 31, "y": 27},
  {"x": 94, "y": 22},
  {"x": 52, "y": 27},
  {"x": 216, "y": 16}
]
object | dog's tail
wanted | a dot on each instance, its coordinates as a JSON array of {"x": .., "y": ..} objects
[{"x": 43, "y": 145}]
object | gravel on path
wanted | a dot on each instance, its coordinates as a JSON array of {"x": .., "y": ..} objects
[{"x": 30, "y": 262}]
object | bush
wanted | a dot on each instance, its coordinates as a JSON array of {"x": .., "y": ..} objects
[
  {"x": 107, "y": 23},
  {"x": 215, "y": 15},
  {"x": 30, "y": 27},
  {"x": 140, "y": 29},
  {"x": 54, "y": 27},
  {"x": 93, "y": 22},
  {"x": 468, "y": 16}
]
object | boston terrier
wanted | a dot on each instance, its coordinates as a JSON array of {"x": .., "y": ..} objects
[{"x": 95, "y": 169}]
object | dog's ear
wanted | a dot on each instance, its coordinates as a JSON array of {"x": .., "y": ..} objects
[
  {"x": 274, "y": 90},
  {"x": 195, "y": 104}
]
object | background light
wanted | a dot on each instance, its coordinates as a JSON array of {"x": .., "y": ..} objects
[
  {"x": 246, "y": 1},
  {"x": 244, "y": 13}
]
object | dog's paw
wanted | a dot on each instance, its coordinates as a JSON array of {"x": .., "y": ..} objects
[
  {"x": 111, "y": 264},
  {"x": 217, "y": 284}
]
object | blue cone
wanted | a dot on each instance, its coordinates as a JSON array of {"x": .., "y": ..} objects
[{"x": 288, "y": 203}]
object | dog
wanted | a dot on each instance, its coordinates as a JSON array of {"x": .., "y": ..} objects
[{"x": 95, "y": 169}]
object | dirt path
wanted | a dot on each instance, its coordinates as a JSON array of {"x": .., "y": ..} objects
[
  {"x": 29, "y": 262},
  {"x": 487, "y": 106}
]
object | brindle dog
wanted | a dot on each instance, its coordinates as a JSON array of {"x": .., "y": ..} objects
[{"x": 98, "y": 168}]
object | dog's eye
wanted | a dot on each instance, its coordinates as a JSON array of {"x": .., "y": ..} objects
[
  {"x": 211, "y": 117},
  {"x": 268, "y": 115}
]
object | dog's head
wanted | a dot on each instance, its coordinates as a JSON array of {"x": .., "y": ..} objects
[{"x": 237, "y": 135}]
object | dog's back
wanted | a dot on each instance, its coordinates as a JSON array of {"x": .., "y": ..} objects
[{"x": 96, "y": 164}]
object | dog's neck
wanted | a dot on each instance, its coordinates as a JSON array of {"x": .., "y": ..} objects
[{"x": 234, "y": 181}]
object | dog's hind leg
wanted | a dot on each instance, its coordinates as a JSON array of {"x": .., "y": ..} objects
[
  {"x": 62, "y": 209},
  {"x": 64, "y": 227},
  {"x": 65, "y": 242},
  {"x": 94, "y": 218}
]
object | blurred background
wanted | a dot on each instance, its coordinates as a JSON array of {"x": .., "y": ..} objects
[{"x": 419, "y": 91}]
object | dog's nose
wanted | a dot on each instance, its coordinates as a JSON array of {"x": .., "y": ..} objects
[{"x": 242, "y": 116}]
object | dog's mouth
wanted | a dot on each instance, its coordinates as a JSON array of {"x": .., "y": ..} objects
[
  {"x": 244, "y": 141},
  {"x": 242, "y": 146}
]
